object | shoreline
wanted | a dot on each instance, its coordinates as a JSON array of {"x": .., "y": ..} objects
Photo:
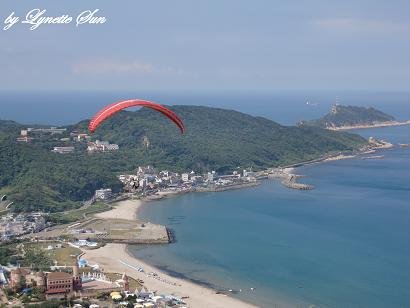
[
  {"x": 371, "y": 149},
  {"x": 116, "y": 258},
  {"x": 366, "y": 126}
]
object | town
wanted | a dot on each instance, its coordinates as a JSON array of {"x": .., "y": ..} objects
[{"x": 76, "y": 284}]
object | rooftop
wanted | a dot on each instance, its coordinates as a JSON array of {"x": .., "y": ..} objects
[{"x": 58, "y": 276}]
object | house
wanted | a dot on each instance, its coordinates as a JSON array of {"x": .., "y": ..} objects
[
  {"x": 103, "y": 194},
  {"x": 211, "y": 176},
  {"x": 24, "y": 139},
  {"x": 101, "y": 146},
  {"x": 63, "y": 150},
  {"x": 143, "y": 183},
  {"x": 185, "y": 177}
]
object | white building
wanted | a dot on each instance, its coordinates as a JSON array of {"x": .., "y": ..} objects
[
  {"x": 143, "y": 183},
  {"x": 103, "y": 194},
  {"x": 211, "y": 176},
  {"x": 102, "y": 146},
  {"x": 185, "y": 177},
  {"x": 85, "y": 243},
  {"x": 63, "y": 150}
]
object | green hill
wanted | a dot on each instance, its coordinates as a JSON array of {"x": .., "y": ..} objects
[
  {"x": 350, "y": 116},
  {"x": 9, "y": 128},
  {"x": 216, "y": 139}
]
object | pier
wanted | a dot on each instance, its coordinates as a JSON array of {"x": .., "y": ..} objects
[{"x": 291, "y": 182}]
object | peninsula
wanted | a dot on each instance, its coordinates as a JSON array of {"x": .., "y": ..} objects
[{"x": 352, "y": 117}]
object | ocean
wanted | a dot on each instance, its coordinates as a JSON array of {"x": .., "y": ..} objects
[
  {"x": 284, "y": 107},
  {"x": 344, "y": 244}
]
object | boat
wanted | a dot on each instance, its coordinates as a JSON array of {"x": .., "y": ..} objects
[{"x": 404, "y": 145}]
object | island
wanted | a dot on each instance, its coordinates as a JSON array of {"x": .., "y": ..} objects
[{"x": 353, "y": 117}]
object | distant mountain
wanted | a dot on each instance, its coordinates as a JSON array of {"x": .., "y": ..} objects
[
  {"x": 342, "y": 116},
  {"x": 215, "y": 139}
]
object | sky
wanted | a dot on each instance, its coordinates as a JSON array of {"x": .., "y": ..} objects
[{"x": 210, "y": 45}]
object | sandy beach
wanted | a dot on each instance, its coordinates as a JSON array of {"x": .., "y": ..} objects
[
  {"x": 114, "y": 258},
  {"x": 122, "y": 210}
]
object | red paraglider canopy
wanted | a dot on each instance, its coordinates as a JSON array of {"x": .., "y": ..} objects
[{"x": 118, "y": 106}]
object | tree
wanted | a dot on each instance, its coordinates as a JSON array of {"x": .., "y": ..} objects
[{"x": 38, "y": 259}]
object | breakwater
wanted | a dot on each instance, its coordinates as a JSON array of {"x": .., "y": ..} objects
[
  {"x": 289, "y": 179},
  {"x": 215, "y": 188},
  {"x": 293, "y": 184}
]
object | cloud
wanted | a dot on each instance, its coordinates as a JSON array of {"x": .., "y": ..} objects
[
  {"x": 123, "y": 68},
  {"x": 355, "y": 25},
  {"x": 106, "y": 66}
]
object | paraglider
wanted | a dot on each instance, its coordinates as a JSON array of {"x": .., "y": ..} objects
[{"x": 118, "y": 106}]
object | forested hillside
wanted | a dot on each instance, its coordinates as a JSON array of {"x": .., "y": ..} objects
[{"x": 216, "y": 139}]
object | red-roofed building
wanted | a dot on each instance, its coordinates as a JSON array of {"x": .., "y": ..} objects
[{"x": 59, "y": 283}]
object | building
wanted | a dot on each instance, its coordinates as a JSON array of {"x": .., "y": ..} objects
[
  {"x": 3, "y": 278},
  {"x": 51, "y": 130},
  {"x": 143, "y": 170},
  {"x": 63, "y": 150},
  {"x": 16, "y": 277},
  {"x": 31, "y": 278},
  {"x": 125, "y": 282},
  {"x": 77, "y": 282},
  {"x": 103, "y": 194},
  {"x": 101, "y": 146},
  {"x": 185, "y": 177},
  {"x": 24, "y": 137},
  {"x": 13, "y": 225},
  {"x": 211, "y": 176},
  {"x": 85, "y": 243},
  {"x": 143, "y": 183},
  {"x": 59, "y": 283},
  {"x": 81, "y": 137}
]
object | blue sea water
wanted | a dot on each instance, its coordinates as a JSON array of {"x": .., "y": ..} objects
[
  {"x": 344, "y": 244},
  {"x": 284, "y": 107}
]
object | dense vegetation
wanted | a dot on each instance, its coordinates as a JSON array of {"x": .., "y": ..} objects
[
  {"x": 350, "y": 115},
  {"x": 216, "y": 139},
  {"x": 37, "y": 259},
  {"x": 36, "y": 179},
  {"x": 6, "y": 253}
]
